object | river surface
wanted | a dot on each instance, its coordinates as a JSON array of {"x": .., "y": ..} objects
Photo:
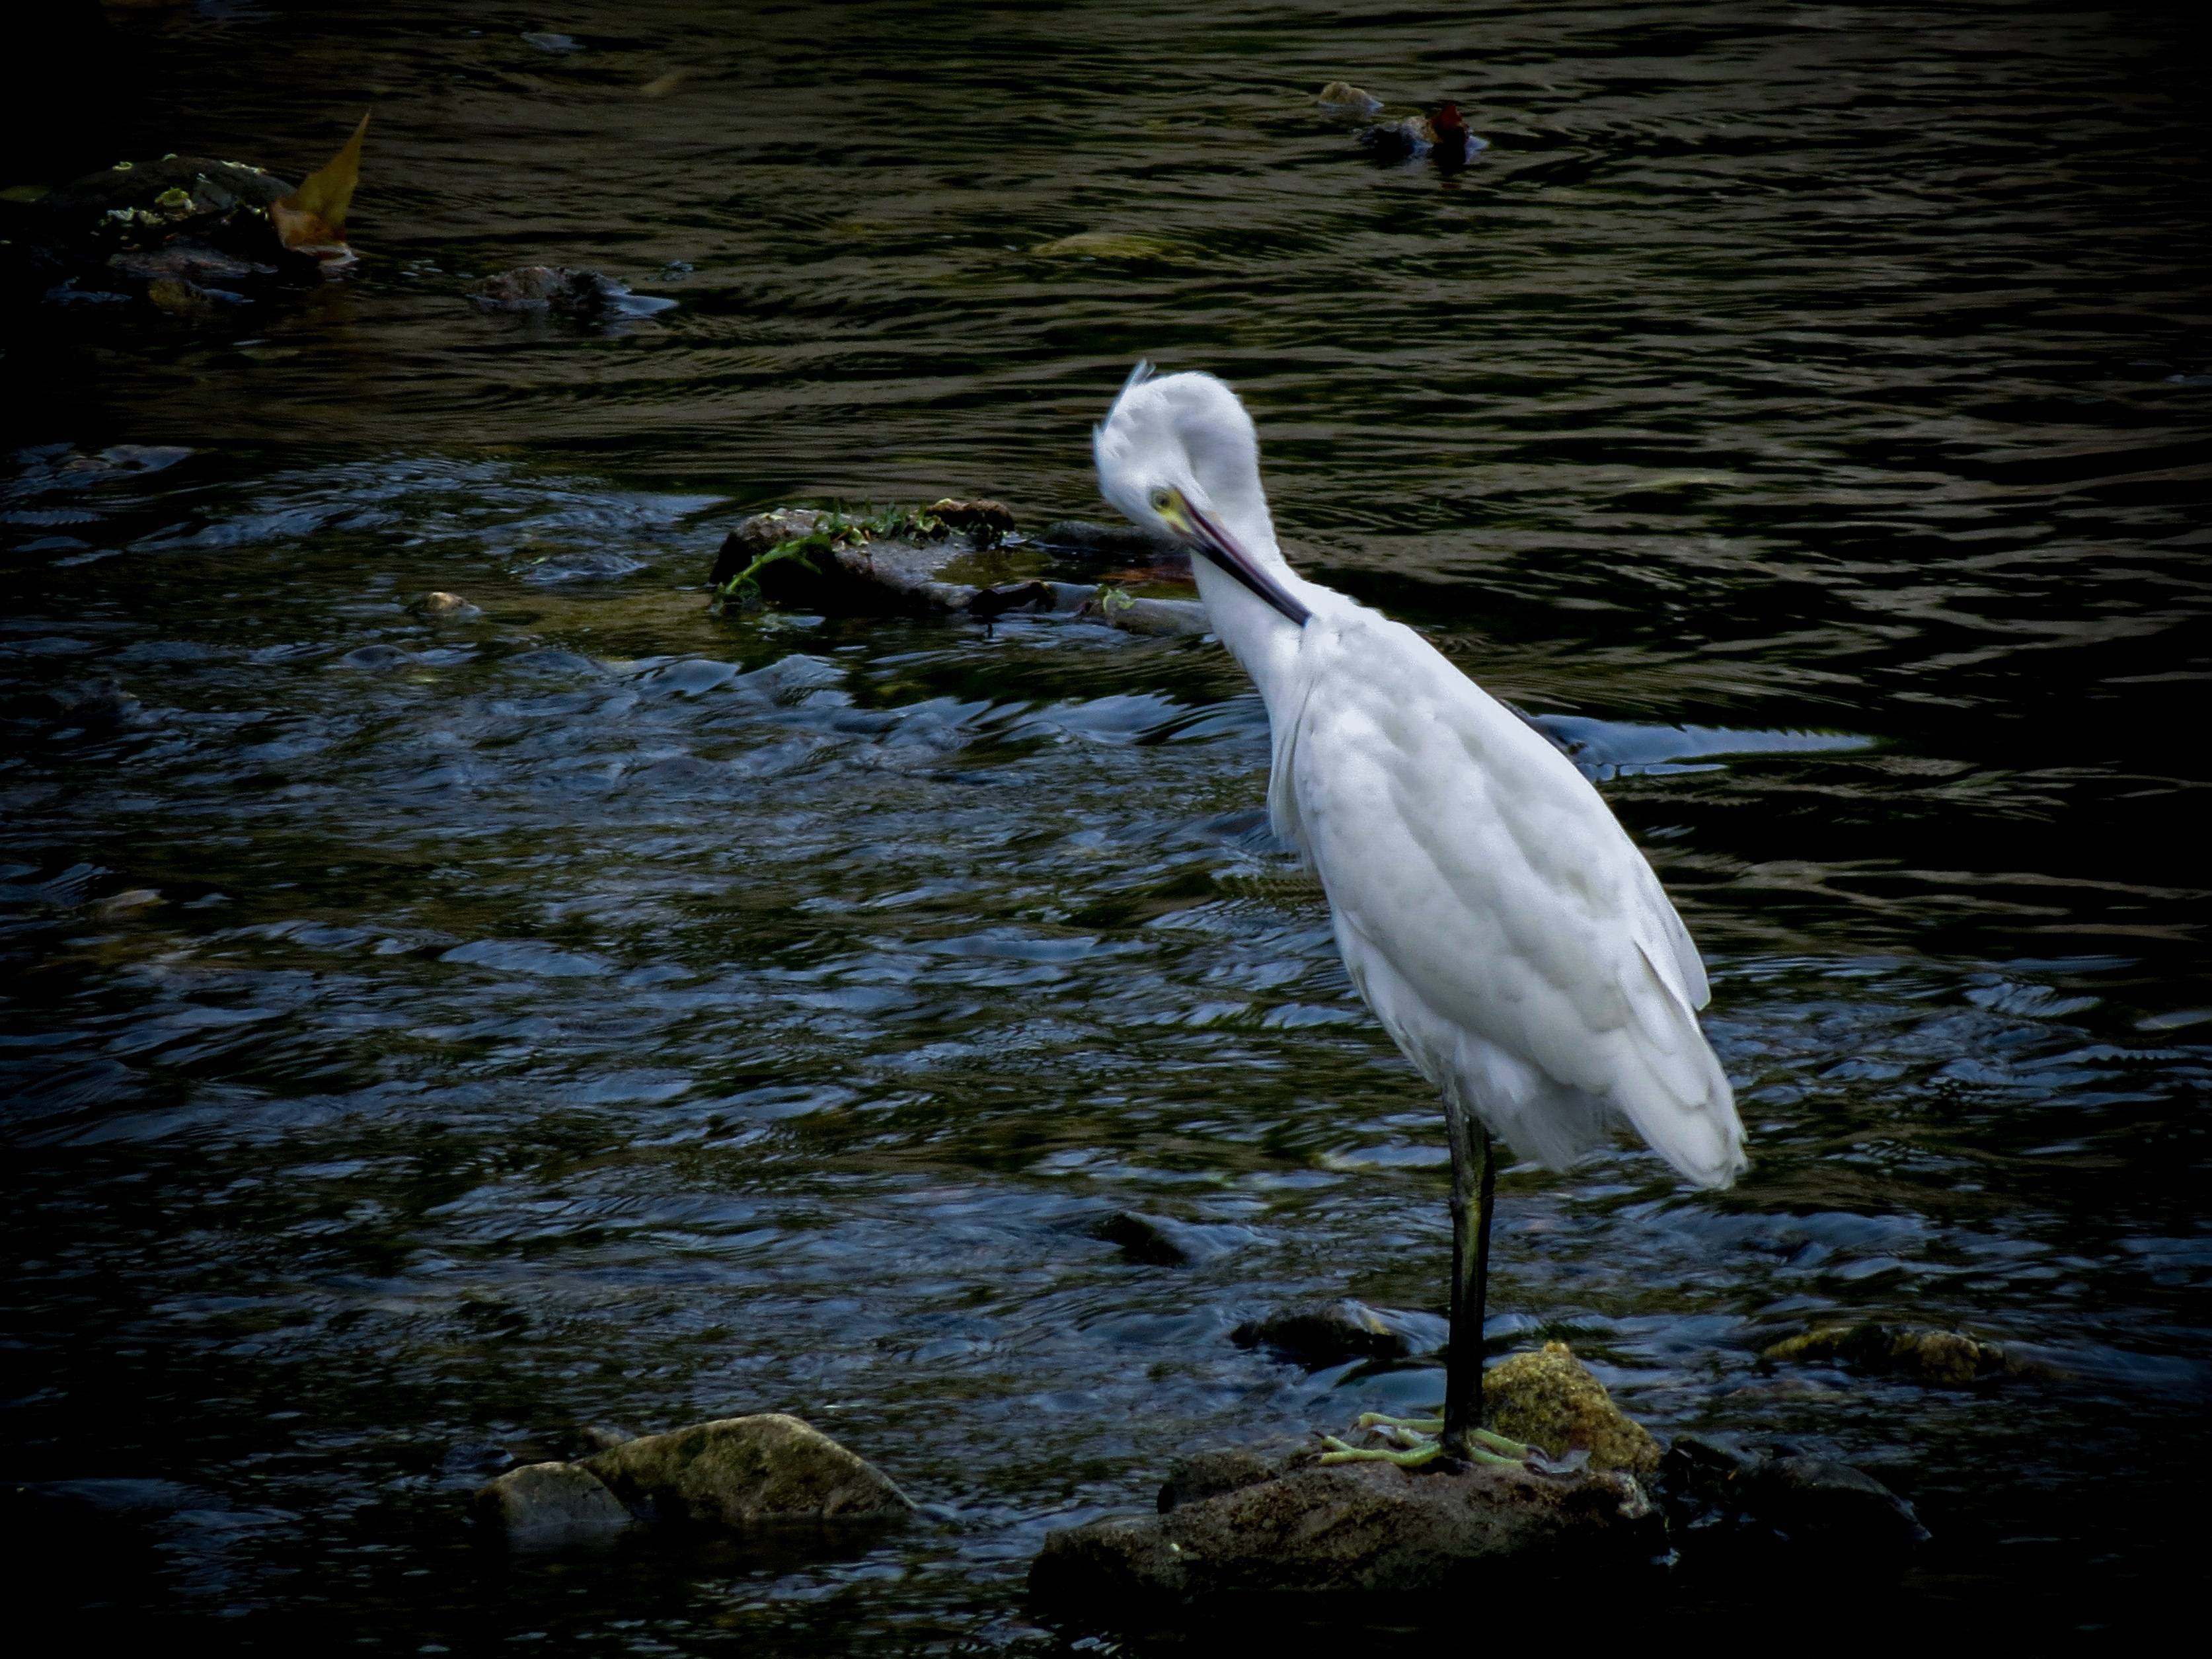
[{"x": 425, "y": 1040}]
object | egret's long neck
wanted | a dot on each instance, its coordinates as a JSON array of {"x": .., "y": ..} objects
[{"x": 1261, "y": 639}]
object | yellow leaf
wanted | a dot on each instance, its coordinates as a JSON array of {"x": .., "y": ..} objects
[{"x": 313, "y": 217}]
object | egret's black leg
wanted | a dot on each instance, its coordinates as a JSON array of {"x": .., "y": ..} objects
[
  {"x": 1474, "y": 1183},
  {"x": 1487, "y": 1205},
  {"x": 1471, "y": 1183}
]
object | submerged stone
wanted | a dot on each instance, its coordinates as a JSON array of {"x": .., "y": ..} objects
[
  {"x": 1925, "y": 1352},
  {"x": 1355, "y": 1529},
  {"x": 1549, "y": 1399},
  {"x": 1317, "y": 1333},
  {"x": 1141, "y": 1239},
  {"x": 1153, "y": 1240},
  {"x": 1119, "y": 544},
  {"x": 1719, "y": 1499},
  {"x": 741, "y": 1472},
  {"x": 563, "y": 291}
]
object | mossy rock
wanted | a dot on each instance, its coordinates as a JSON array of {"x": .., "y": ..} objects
[
  {"x": 1925, "y": 1352},
  {"x": 1548, "y": 1398},
  {"x": 741, "y": 1472}
]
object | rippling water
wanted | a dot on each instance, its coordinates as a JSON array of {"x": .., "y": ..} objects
[{"x": 423, "y": 1039}]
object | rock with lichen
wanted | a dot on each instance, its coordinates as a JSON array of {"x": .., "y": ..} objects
[
  {"x": 1548, "y": 1398},
  {"x": 952, "y": 559},
  {"x": 1352, "y": 1530},
  {"x": 739, "y": 1472},
  {"x": 194, "y": 230},
  {"x": 192, "y": 225},
  {"x": 734, "y": 1473},
  {"x": 1927, "y": 1353}
]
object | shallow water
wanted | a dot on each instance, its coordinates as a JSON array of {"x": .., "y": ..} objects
[{"x": 423, "y": 1039}]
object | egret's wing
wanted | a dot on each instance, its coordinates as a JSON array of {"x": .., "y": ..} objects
[{"x": 1494, "y": 913}]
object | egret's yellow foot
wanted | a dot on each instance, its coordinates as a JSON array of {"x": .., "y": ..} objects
[
  {"x": 1419, "y": 1438},
  {"x": 1412, "y": 1458},
  {"x": 1422, "y": 1425}
]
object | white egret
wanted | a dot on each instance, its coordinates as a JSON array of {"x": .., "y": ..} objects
[{"x": 1490, "y": 908}]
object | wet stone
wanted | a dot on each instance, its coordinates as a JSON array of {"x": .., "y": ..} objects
[
  {"x": 1926, "y": 1353},
  {"x": 561, "y": 290},
  {"x": 957, "y": 572},
  {"x": 987, "y": 520},
  {"x": 444, "y": 606},
  {"x": 1719, "y": 1499},
  {"x": 1221, "y": 1469},
  {"x": 741, "y": 1472},
  {"x": 1141, "y": 1239},
  {"x": 1117, "y": 543},
  {"x": 544, "y": 1506},
  {"x": 1319, "y": 1333},
  {"x": 173, "y": 230},
  {"x": 1355, "y": 1529},
  {"x": 1548, "y": 1398},
  {"x": 1162, "y": 1242},
  {"x": 187, "y": 262}
]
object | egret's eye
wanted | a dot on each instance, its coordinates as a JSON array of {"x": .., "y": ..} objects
[{"x": 1163, "y": 499}]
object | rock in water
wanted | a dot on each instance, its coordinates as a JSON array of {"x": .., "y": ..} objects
[
  {"x": 739, "y": 1472},
  {"x": 1722, "y": 1502},
  {"x": 945, "y": 574},
  {"x": 1359, "y": 1528},
  {"x": 1320, "y": 1333},
  {"x": 544, "y": 1505},
  {"x": 1344, "y": 98},
  {"x": 1831, "y": 1507},
  {"x": 1111, "y": 543},
  {"x": 1922, "y": 1352},
  {"x": 1548, "y": 1398},
  {"x": 734, "y": 1473},
  {"x": 564, "y": 291}
]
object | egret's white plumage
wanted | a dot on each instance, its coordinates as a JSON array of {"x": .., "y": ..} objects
[{"x": 1491, "y": 911}]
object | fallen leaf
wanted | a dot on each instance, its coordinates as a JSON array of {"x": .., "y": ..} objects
[{"x": 312, "y": 219}]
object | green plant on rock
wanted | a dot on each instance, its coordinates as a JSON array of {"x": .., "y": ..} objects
[{"x": 834, "y": 530}]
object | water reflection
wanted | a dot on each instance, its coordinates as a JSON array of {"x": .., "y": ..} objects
[{"x": 430, "y": 1036}]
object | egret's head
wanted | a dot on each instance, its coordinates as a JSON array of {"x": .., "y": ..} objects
[{"x": 1177, "y": 453}]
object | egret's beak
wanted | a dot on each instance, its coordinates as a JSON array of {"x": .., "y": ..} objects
[{"x": 1210, "y": 542}]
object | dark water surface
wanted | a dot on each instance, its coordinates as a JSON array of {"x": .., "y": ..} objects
[{"x": 424, "y": 1040}]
